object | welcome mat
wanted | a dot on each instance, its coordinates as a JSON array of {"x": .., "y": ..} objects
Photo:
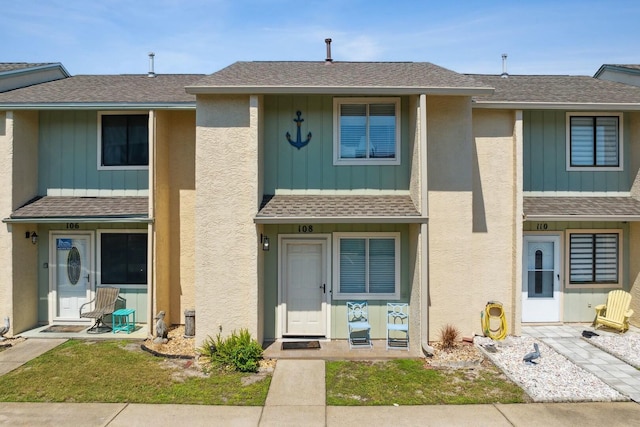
[
  {"x": 65, "y": 328},
  {"x": 301, "y": 345}
]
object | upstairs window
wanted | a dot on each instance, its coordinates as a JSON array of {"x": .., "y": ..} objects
[
  {"x": 366, "y": 131},
  {"x": 124, "y": 140},
  {"x": 594, "y": 142},
  {"x": 594, "y": 257}
]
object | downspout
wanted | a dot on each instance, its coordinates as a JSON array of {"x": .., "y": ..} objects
[
  {"x": 424, "y": 228},
  {"x": 151, "y": 253}
]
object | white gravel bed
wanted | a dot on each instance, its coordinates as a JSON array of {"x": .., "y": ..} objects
[
  {"x": 553, "y": 379},
  {"x": 625, "y": 347}
]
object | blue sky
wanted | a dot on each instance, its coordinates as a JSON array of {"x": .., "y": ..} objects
[{"x": 203, "y": 36}]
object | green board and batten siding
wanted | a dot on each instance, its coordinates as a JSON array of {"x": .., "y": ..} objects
[
  {"x": 338, "y": 307},
  {"x": 135, "y": 296},
  {"x": 578, "y": 303},
  {"x": 545, "y": 158},
  {"x": 311, "y": 167},
  {"x": 68, "y": 153}
]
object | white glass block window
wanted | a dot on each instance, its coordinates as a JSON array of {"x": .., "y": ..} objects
[
  {"x": 594, "y": 142},
  {"x": 594, "y": 258},
  {"x": 367, "y": 266},
  {"x": 366, "y": 131}
]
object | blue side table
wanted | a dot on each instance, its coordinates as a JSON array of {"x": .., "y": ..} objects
[{"x": 124, "y": 319}]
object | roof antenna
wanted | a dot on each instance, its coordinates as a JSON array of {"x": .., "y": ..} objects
[
  {"x": 151, "y": 72},
  {"x": 504, "y": 74},
  {"x": 328, "y": 42}
]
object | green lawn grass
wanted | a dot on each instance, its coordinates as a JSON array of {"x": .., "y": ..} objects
[
  {"x": 407, "y": 382},
  {"x": 85, "y": 371}
]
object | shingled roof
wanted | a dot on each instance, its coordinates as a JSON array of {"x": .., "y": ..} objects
[
  {"x": 329, "y": 208},
  {"x": 134, "y": 89},
  {"x": 17, "y": 66},
  {"x": 581, "y": 208},
  {"x": 556, "y": 90},
  {"x": 337, "y": 77},
  {"x": 51, "y": 207}
]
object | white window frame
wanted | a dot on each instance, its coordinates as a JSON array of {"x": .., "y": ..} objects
[
  {"x": 336, "y": 266},
  {"x": 337, "y": 102},
  {"x": 122, "y": 113},
  {"x": 98, "y": 268},
  {"x": 569, "y": 232},
  {"x": 620, "y": 144}
]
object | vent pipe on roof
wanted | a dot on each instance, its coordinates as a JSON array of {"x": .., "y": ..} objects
[
  {"x": 151, "y": 72},
  {"x": 328, "y": 42},
  {"x": 504, "y": 74}
]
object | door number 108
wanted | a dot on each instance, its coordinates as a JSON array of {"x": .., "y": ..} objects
[{"x": 305, "y": 229}]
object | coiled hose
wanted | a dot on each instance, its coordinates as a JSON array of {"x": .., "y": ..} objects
[{"x": 494, "y": 310}]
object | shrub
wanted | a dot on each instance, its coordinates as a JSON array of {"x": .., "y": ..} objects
[
  {"x": 449, "y": 335},
  {"x": 238, "y": 351}
]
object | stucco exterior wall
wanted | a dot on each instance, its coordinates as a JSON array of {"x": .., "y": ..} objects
[
  {"x": 634, "y": 271},
  {"x": 495, "y": 231},
  {"x": 226, "y": 259},
  {"x": 634, "y": 227},
  {"x": 19, "y": 269},
  {"x": 450, "y": 185},
  {"x": 174, "y": 213},
  {"x": 6, "y": 243},
  {"x": 471, "y": 206}
]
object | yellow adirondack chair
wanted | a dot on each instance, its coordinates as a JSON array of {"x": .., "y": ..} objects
[{"x": 616, "y": 312}]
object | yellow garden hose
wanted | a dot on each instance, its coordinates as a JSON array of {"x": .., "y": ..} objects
[{"x": 494, "y": 310}]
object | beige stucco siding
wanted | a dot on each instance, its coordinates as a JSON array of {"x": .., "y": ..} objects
[
  {"x": 226, "y": 259},
  {"x": 471, "y": 206},
  {"x": 634, "y": 227},
  {"x": 634, "y": 271},
  {"x": 174, "y": 213},
  {"x": 19, "y": 162},
  {"x": 495, "y": 232}
]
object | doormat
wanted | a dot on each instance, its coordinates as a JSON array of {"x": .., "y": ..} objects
[
  {"x": 65, "y": 328},
  {"x": 301, "y": 345}
]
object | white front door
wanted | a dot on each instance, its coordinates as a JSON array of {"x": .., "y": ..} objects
[
  {"x": 305, "y": 287},
  {"x": 541, "y": 286},
  {"x": 71, "y": 272}
]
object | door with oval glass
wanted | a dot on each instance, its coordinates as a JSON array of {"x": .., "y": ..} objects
[
  {"x": 541, "y": 285},
  {"x": 72, "y": 270}
]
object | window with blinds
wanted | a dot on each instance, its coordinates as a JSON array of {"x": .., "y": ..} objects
[
  {"x": 368, "y": 266},
  {"x": 367, "y": 130},
  {"x": 594, "y": 141},
  {"x": 594, "y": 258}
]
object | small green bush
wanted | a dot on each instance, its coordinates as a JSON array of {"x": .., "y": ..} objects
[{"x": 238, "y": 351}]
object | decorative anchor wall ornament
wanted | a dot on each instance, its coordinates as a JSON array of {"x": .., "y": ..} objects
[{"x": 298, "y": 143}]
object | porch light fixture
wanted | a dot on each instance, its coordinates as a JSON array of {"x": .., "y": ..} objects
[
  {"x": 34, "y": 237},
  {"x": 265, "y": 242}
]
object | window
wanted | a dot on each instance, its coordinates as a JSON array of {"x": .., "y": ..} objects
[
  {"x": 594, "y": 257},
  {"x": 366, "y": 130},
  {"x": 367, "y": 266},
  {"x": 124, "y": 140},
  {"x": 594, "y": 141},
  {"x": 123, "y": 258}
]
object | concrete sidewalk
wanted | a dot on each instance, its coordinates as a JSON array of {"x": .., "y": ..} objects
[
  {"x": 297, "y": 398},
  {"x": 595, "y": 414}
]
